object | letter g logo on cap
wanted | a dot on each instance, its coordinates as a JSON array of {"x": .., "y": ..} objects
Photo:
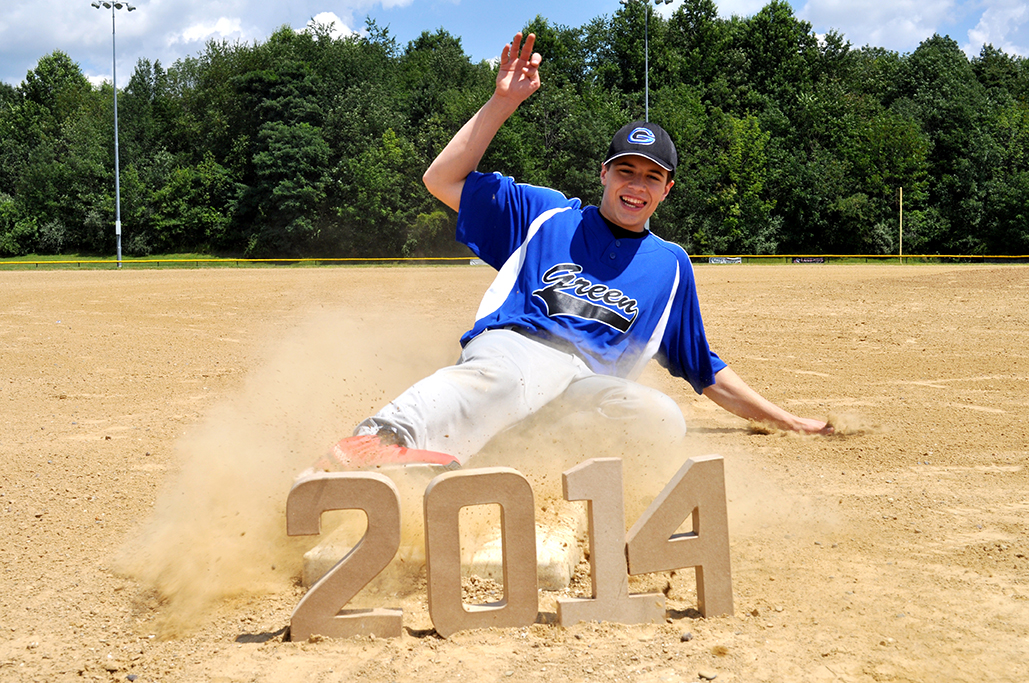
[{"x": 642, "y": 136}]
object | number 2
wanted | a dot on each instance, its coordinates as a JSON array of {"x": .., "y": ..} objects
[{"x": 320, "y": 610}]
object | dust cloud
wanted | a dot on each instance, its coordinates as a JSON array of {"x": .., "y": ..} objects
[
  {"x": 218, "y": 526},
  {"x": 852, "y": 424}
]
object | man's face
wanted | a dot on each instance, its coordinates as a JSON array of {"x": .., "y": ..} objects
[{"x": 633, "y": 187}]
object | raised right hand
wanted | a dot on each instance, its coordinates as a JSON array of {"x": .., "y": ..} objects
[{"x": 518, "y": 73}]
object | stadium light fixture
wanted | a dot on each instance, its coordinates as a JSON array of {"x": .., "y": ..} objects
[
  {"x": 98, "y": 4},
  {"x": 646, "y": 48}
]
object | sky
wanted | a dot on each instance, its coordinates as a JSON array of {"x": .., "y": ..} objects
[{"x": 168, "y": 30}]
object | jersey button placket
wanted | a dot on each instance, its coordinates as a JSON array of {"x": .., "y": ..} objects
[{"x": 614, "y": 253}]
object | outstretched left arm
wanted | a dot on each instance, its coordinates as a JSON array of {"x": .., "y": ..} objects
[{"x": 733, "y": 394}]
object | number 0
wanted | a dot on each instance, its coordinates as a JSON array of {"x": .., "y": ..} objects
[{"x": 444, "y": 498}]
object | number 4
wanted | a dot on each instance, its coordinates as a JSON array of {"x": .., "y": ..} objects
[{"x": 698, "y": 488}]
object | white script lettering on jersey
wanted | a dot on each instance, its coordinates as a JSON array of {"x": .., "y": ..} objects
[{"x": 563, "y": 296}]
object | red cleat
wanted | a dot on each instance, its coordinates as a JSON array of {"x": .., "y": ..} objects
[{"x": 364, "y": 452}]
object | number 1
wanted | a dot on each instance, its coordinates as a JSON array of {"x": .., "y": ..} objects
[{"x": 599, "y": 481}]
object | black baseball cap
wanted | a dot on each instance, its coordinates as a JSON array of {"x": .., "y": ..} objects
[{"x": 644, "y": 139}]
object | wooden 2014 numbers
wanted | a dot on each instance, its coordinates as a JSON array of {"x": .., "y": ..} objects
[{"x": 651, "y": 545}]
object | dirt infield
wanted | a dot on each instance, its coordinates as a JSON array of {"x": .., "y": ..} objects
[{"x": 152, "y": 423}]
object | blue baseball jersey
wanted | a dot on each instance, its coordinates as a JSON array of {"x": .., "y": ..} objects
[{"x": 563, "y": 275}]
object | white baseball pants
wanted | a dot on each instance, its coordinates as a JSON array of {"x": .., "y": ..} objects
[{"x": 503, "y": 377}]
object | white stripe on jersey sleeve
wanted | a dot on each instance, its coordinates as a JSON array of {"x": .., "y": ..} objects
[{"x": 498, "y": 292}]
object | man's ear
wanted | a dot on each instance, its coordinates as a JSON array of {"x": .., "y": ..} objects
[
  {"x": 603, "y": 174},
  {"x": 668, "y": 188}
]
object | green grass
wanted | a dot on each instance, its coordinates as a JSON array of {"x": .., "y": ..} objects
[
  {"x": 158, "y": 261},
  {"x": 166, "y": 261},
  {"x": 90, "y": 262}
]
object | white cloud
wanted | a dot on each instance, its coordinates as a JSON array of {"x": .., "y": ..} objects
[
  {"x": 873, "y": 22},
  {"x": 1005, "y": 25},
  {"x": 902, "y": 25},
  {"x": 222, "y": 28},
  {"x": 340, "y": 29},
  {"x": 739, "y": 8}
]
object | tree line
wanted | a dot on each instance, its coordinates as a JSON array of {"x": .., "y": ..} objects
[{"x": 313, "y": 145}]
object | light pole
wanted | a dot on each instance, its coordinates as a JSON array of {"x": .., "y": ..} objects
[
  {"x": 114, "y": 82},
  {"x": 646, "y": 56},
  {"x": 646, "y": 49}
]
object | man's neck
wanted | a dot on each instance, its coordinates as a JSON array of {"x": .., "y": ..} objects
[{"x": 620, "y": 232}]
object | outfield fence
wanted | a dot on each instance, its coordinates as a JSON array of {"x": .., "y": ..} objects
[
  {"x": 722, "y": 259},
  {"x": 861, "y": 258}
]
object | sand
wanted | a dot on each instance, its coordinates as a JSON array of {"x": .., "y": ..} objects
[{"x": 152, "y": 423}]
